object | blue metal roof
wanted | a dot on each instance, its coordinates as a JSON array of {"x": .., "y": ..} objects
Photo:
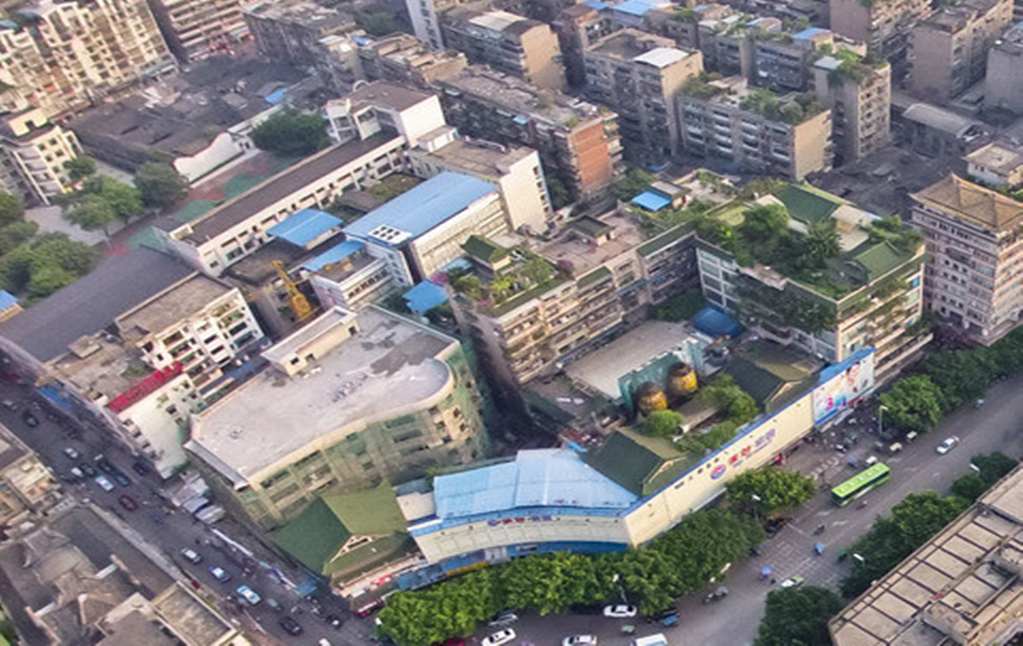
[
  {"x": 536, "y": 478},
  {"x": 651, "y": 201},
  {"x": 715, "y": 323},
  {"x": 422, "y": 208},
  {"x": 809, "y": 32},
  {"x": 7, "y": 300},
  {"x": 276, "y": 96},
  {"x": 634, "y": 7},
  {"x": 334, "y": 254},
  {"x": 425, "y": 296},
  {"x": 595, "y": 4},
  {"x": 305, "y": 226}
]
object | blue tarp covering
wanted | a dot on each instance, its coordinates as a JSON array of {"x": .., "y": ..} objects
[
  {"x": 333, "y": 255},
  {"x": 715, "y": 323},
  {"x": 651, "y": 201},
  {"x": 7, "y": 300},
  {"x": 276, "y": 96},
  {"x": 425, "y": 296},
  {"x": 305, "y": 226}
]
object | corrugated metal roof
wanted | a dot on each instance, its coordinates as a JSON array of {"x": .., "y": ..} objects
[
  {"x": 662, "y": 56},
  {"x": 651, "y": 201},
  {"x": 425, "y": 296},
  {"x": 7, "y": 300},
  {"x": 422, "y": 208},
  {"x": 536, "y": 478},
  {"x": 305, "y": 226}
]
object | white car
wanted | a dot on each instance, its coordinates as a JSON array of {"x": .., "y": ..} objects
[
  {"x": 104, "y": 483},
  {"x": 250, "y": 595},
  {"x": 792, "y": 582},
  {"x": 71, "y": 453},
  {"x": 620, "y": 611},
  {"x": 498, "y": 638},
  {"x": 580, "y": 640},
  {"x": 950, "y": 443},
  {"x": 191, "y": 555}
]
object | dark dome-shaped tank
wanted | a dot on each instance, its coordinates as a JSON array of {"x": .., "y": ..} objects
[
  {"x": 651, "y": 397},
  {"x": 682, "y": 380}
]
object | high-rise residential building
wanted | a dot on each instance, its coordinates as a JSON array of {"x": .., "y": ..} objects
[
  {"x": 1003, "y": 81},
  {"x": 291, "y": 30},
  {"x": 402, "y": 58},
  {"x": 950, "y": 48},
  {"x": 33, "y": 152},
  {"x": 426, "y": 20},
  {"x": 974, "y": 256},
  {"x": 754, "y": 130},
  {"x": 781, "y": 62},
  {"x": 884, "y": 26},
  {"x": 859, "y": 93},
  {"x": 870, "y": 297},
  {"x": 578, "y": 27},
  {"x": 639, "y": 76},
  {"x": 63, "y": 55},
  {"x": 347, "y": 402},
  {"x": 509, "y": 43},
  {"x": 196, "y": 29},
  {"x": 578, "y": 142}
]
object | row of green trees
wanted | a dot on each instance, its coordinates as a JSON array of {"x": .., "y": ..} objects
[
  {"x": 682, "y": 561},
  {"x": 34, "y": 266},
  {"x": 915, "y": 520},
  {"x": 947, "y": 380},
  {"x": 102, "y": 200}
]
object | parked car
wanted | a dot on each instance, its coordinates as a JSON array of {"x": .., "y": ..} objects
[
  {"x": 77, "y": 474},
  {"x": 30, "y": 419},
  {"x": 104, "y": 483},
  {"x": 140, "y": 468},
  {"x": 72, "y": 453},
  {"x": 792, "y": 582},
  {"x": 103, "y": 464},
  {"x": 950, "y": 443},
  {"x": 580, "y": 640},
  {"x": 290, "y": 626},
  {"x": 87, "y": 469},
  {"x": 120, "y": 478},
  {"x": 620, "y": 611},
  {"x": 333, "y": 621},
  {"x": 191, "y": 555},
  {"x": 219, "y": 574},
  {"x": 10, "y": 405},
  {"x": 247, "y": 593},
  {"x": 498, "y": 638},
  {"x": 128, "y": 503}
]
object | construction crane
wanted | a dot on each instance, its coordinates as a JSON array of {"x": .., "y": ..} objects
[{"x": 300, "y": 306}]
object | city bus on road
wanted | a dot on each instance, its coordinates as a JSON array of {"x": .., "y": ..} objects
[{"x": 860, "y": 484}]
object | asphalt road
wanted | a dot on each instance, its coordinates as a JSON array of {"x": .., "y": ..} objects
[
  {"x": 733, "y": 621},
  {"x": 167, "y": 531}
]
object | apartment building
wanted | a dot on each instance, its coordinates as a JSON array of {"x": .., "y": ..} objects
[
  {"x": 404, "y": 59},
  {"x": 755, "y": 130},
  {"x": 291, "y": 30},
  {"x": 1003, "y": 79},
  {"x": 727, "y": 38},
  {"x": 781, "y": 61},
  {"x": 508, "y": 43},
  {"x": 578, "y": 142},
  {"x": 375, "y": 124},
  {"x": 514, "y": 170},
  {"x": 26, "y": 485},
  {"x": 996, "y": 164},
  {"x": 198, "y": 29},
  {"x": 639, "y": 75},
  {"x": 426, "y": 19},
  {"x": 350, "y": 275},
  {"x": 33, "y": 152},
  {"x": 578, "y": 27},
  {"x": 65, "y": 55},
  {"x": 859, "y": 95},
  {"x": 885, "y": 27},
  {"x": 871, "y": 297},
  {"x": 347, "y": 402},
  {"x": 421, "y": 231},
  {"x": 974, "y": 256},
  {"x": 950, "y": 47},
  {"x": 140, "y": 343}
]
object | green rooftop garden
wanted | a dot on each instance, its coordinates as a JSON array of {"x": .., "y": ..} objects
[
  {"x": 852, "y": 66},
  {"x": 511, "y": 287},
  {"x": 793, "y": 112}
]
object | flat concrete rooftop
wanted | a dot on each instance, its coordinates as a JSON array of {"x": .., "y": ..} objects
[
  {"x": 481, "y": 158},
  {"x": 570, "y": 245},
  {"x": 174, "y": 305},
  {"x": 388, "y": 367}
]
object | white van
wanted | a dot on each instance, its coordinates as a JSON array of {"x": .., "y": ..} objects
[{"x": 652, "y": 640}]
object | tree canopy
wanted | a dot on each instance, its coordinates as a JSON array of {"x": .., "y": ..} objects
[
  {"x": 662, "y": 423},
  {"x": 11, "y": 209},
  {"x": 101, "y": 201},
  {"x": 160, "y": 185},
  {"x": 913, "y": 403},
  {"x": 80, "y": 167},
  {"x": 768, "y": 491},
  {"x": 798, "y": 617},
  {"x": 290, "y": 132},
  {"x": 46, "y": 264}
]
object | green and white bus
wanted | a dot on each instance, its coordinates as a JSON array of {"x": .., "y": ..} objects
[{"x": 860, "y": 484}]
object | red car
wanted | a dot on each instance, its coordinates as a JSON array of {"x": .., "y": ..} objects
[{"x": 128, "y": 503}]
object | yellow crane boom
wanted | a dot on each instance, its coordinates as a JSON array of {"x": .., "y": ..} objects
[{"x": 300, "y": 306}]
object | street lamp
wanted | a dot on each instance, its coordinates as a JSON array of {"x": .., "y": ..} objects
[
  {"x": 859, "y": 558},
  {"x": 755, "y": 498},
  {"x": 975, "y": 468},
  {"x": 880, "y": 419}
]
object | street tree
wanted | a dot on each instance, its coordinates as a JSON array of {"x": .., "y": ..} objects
[
  {"x": 91, "y": 212},
  {"x": 993, "y": 466},
  {"x": 11, "y": 209},
  {"x": 768, "y": 491},
  {"x": 290, "y": 132},
  {"x": 662, "y": 423},
  {"x": 160, "y": 185},
  {"x": 913, "y": 403},
  {"x": 16, "y": 234},
  {"x": 798, "y": 617},
  {"x": 124, "y": 199},
  {"x": 80, "y": 167}
]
